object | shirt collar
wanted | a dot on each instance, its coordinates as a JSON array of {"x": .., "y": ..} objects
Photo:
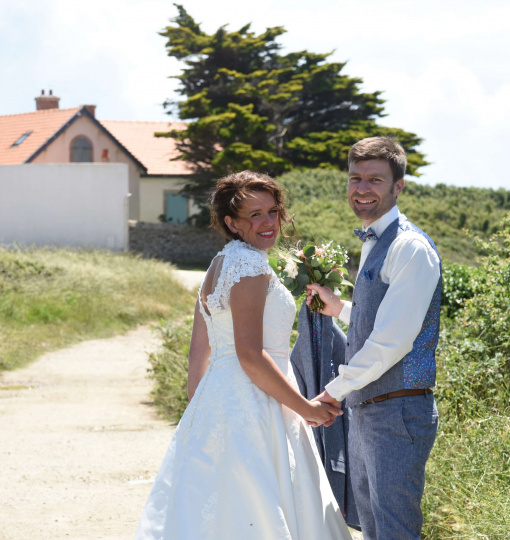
[{"x": 380, "y": 225}]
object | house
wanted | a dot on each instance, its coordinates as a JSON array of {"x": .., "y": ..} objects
[
  {"x": 163, "y": 178},
  {"x": 54, "y": 135}
]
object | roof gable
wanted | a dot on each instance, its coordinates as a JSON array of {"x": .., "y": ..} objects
[{"x": 42, "y": 125}]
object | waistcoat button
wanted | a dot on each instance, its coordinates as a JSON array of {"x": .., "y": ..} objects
[
  {"x": 353, "y": 304},
  {"x": 351, "y": 323},
  {"x": 347, "y": 344}
]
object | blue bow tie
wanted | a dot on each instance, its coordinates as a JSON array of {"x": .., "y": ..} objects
[{"x": 369, "y": 234}]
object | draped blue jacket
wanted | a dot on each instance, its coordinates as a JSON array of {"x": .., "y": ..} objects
[{"x": 315, "y": 361}]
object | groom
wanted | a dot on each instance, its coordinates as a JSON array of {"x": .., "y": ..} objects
[{"x": 390, "y": 364}]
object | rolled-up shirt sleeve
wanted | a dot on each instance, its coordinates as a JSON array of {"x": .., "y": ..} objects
[
  {"x": 412, "y": 273},
  {"x": 345, "y": 314}
]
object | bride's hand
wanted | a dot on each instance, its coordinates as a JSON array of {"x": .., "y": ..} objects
[
  {"x": 332, "y": 304},
  {"x": 321, "y": 413}
]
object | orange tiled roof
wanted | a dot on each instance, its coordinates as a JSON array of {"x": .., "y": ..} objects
[
  {"x": 154, "y": 152},
  {"x": 42, "y": 124}
]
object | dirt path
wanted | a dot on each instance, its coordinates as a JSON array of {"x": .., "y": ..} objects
[{"x": 79, "y": 442}]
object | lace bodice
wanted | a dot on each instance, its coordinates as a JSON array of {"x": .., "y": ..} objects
[{"x": 242, "y": 260}]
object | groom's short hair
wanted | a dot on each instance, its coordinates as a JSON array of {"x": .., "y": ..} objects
[{"x": 380, "y": 148}]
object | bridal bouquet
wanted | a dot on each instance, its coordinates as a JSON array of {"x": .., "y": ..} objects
[{"x": 321, "y": 263}]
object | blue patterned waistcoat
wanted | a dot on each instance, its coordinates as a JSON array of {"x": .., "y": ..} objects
[{"x": 418, "y": 368}]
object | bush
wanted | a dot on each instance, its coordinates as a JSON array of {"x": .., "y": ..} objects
[
  {"x": 475, "y": 351},
  {"x": 318, "y": 198},
  {"x": 468, "y": 477},
  {"x": 169, "y": 369},
  {"x": 457, "y": 287}
]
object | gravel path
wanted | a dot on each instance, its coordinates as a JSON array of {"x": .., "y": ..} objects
[{"x": 79, "y": 440}]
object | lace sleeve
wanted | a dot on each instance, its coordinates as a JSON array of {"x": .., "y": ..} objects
[{"x": 242, "y": 262}]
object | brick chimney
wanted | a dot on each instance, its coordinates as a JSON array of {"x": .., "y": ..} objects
[
  {"x": 42, "y": 102},
  {"x": 91, "y": 109}
]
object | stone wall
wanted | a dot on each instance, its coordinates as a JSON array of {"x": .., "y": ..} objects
[{"x": 180, "y": 244}]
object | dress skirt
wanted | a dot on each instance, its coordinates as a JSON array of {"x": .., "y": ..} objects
[{"x": 241, "y": 466}]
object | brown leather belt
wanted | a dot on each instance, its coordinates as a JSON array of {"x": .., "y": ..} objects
[{"x": 398, "y": 393}]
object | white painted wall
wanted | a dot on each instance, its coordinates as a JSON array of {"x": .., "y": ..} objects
[
  {"x": 76, "y": 205},
  {"x": 152, "y": 196},
  {"x": 59, "y": 151}
]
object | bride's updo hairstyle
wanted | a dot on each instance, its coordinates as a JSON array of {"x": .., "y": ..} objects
[{"x": 230, "y": 193}]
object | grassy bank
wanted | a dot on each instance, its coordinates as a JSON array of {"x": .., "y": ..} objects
[
  {"x": 468, "y": 478},
  {"x": 50, "y": 298}
]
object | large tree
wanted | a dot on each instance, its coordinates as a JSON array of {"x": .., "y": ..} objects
[{"x": 251, "y": 107}]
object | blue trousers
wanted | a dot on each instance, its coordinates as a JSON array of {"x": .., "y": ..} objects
[{"x": 389, "y": 444}]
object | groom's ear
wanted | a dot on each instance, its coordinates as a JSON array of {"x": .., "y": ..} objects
[{"x": 398, "y": 186}]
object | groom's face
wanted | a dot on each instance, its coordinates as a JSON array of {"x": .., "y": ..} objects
[{"x": 371, "y": 189}]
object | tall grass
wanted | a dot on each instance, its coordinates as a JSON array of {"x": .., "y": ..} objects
[
  {"x": 468, "y": 478},
  {"x": 169, "y": 369},
  {"x": 50, "y": 298}
]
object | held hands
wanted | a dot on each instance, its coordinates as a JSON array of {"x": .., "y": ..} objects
[
  {"x": 322, "y": 413},
  {"x": 326, "y": 400},
  {"x": 332, "y": 304},
  {"x": 324, "y": 397}
]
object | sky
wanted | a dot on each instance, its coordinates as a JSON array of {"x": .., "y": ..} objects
[{"x": 443, "y": 65}]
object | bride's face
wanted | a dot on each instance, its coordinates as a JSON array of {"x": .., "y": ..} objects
[{"x": 258, "y": 222}]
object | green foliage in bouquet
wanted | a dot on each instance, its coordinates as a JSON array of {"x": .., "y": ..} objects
[{"x": 321, "y": 263}]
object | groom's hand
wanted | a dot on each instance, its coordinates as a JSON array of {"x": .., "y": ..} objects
[
  {"x": 332, "y": 304},
  {"x": 321, "y": 414},
  {"x": 324, "y": 397}
]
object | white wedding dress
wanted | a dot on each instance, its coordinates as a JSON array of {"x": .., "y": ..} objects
[{"x": 240, "y": 465}]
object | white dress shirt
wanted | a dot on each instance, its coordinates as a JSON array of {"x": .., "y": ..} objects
[{"x": 412, "y": 270}]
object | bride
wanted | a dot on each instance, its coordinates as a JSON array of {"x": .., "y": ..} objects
[{"x": 242, "y": 463}]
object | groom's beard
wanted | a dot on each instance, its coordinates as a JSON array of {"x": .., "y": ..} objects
[{"x": 382, "y": 203}]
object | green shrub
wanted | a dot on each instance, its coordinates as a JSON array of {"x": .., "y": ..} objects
[
  {"x": 457, "y": 287},
  {"x": 474, "y": 353},
  {"x": 468, "y": 477},
  {"x": 169, "y": 368}
]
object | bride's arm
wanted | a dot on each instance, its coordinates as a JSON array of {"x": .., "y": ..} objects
[
  {"x": 199, "y": 352},
  {"x": 247, "y": 301}
]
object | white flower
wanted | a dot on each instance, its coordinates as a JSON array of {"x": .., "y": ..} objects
[{"x": 291, "y": 269}]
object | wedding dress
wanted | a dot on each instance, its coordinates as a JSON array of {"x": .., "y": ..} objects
[{"x": 240, "y": 465}]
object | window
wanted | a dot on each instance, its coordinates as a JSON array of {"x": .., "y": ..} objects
[
  {"x": 21, "y": 139},
  {"x": 176, "y": 208},
  {"x": 81, "y": 151}
]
